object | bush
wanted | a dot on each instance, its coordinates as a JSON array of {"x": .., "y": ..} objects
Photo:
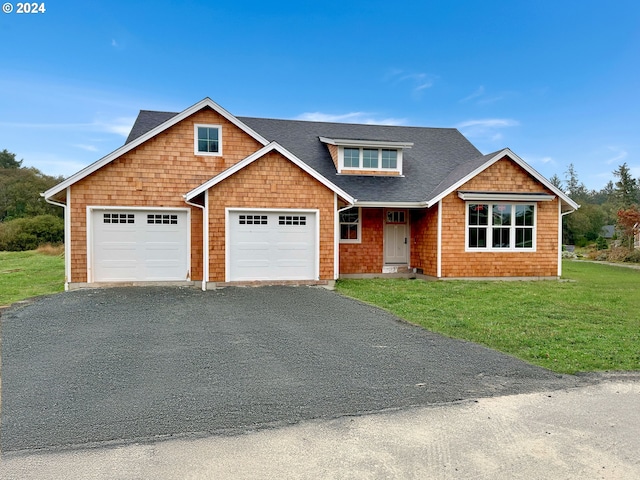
[
  {"x": 633, "y": 256},
  {"x": 29, "y": 233},
  {"x": 601, "y": 243}
]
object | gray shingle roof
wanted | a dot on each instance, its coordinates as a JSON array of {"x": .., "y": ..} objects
[
  {"x": 147, "y": 120},
  {"x": 439, "y": 156}
]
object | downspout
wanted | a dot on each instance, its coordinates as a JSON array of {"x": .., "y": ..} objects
[
  {"x": 439, "y": 241},
  {"x": 336, "y": 229},
  {"x": 205, "y": 237},
  {"x": 67, "y": 238},
  {"x": 560, "y": 232}
]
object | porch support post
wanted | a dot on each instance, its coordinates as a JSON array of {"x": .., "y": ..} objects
[
  {"x": 336, "y": 237},
  {"x": 205, "y": 241},
  {"x": 439, "y": 255}
]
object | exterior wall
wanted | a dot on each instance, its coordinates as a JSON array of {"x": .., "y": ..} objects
[
  {"x": 270, "y": 182},
  {"x": 424, "y": 240},
  {"x": 156, "y": 174},
  {"x": 503, "y": 176},
  {"x": 333, "y": 151},
  {"x": 367, "y": 256}
]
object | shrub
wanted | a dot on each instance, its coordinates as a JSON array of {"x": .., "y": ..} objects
[
  {"x": 633, "y": 256},
  {"x": 601, "y": 243},
  {"x": 31, "y": 232}
]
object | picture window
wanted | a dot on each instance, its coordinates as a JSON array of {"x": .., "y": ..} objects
[{"x": 500, "y": 226}]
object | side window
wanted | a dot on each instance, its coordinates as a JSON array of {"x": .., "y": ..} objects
[{"x": 350, "y": 227}]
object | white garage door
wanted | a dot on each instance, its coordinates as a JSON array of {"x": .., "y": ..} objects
[
  {"x": 266, "y": 245},
  {"x": 139, "y": 245}
]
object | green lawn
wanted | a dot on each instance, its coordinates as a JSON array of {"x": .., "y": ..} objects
[
  {"x": 588, "y": 321},
  {"x": 28, "y": 274}
]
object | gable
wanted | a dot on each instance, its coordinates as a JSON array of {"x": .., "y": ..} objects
[
  {"x": 206, "y": 104},
  {"x": 276, "y": 175},
  {"x": 504, "y": 176}
]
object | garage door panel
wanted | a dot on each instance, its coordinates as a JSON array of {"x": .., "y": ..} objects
[
  {"x": 276, "y": 246},
  {"x": 142, "y": 249}
]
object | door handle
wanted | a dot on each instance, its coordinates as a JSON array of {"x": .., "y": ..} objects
[{"x": 405, "y": 240}]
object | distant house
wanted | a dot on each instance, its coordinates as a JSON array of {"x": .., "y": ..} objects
[
  {"x": 205, "y": 196},
  {"x": 608, "y": 231}
]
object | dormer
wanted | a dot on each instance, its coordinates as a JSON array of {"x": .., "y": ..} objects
[{"x": 366, "y": 157}]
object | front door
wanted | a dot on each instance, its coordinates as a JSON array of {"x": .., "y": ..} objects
[{"x": 396, "y": 233}]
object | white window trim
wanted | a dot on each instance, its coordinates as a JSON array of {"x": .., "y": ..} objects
[
  {"x": 379, "y": 168},
  {"x": 195, "y": 140},
  {"x": 512, "y": 229},
  {"x": 359, "y": 229}
]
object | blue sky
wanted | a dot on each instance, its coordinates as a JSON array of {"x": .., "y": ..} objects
[{"x": 558, "y": 82}]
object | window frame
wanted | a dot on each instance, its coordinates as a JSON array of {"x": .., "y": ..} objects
[
  {"x": 513, "y": 227},
  {"x": 361, "y": 159},
  {"x": 196, "y": 150},
  {"x": 358, "y": 223}
]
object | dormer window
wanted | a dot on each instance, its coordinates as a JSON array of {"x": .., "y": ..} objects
[{"x": 367, "y": 157}]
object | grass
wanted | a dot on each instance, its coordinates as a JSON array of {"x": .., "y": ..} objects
[
  {"x": 589, "y": 322},
  {"x": 29, "y": 274}
]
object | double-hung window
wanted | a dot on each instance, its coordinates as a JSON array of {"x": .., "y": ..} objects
[
  {"x": 501, "y": 226},
  {"x": 208, "y": 140},
  {"x": 350, "y": 225}
]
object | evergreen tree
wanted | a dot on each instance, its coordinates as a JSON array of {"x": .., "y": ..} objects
[
  {"x": 8, "y": 160},
  {"x": 626, "y": 188}
]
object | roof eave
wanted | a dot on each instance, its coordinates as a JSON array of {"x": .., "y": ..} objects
[
  {"x": 528, "y": 168},
  {"x": 206, "y": 102}
]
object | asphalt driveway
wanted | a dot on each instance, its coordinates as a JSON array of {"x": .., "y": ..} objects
[{"x": 139, "y": 364}]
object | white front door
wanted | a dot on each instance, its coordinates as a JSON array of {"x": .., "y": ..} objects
[{"x": 396, "y": 241}]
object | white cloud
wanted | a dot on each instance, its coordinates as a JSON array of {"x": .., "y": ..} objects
[
  {"x": 418, "y": 81},
  {"x": 489, "y": 123},
  {"x": 619, "y": 155},
  {"x": 536, "y": 160},
  {"x": 488, "y": 129},
  {"x": 480, "y": 97},
  {"x": 120, "y": 126},
  {"x": 88, "y": 148},
  {"x": 352, "y": 117},
  {"x": 478, "y": 93}
]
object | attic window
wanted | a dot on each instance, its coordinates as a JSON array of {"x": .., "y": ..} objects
[{"x": 208, "y": 140}]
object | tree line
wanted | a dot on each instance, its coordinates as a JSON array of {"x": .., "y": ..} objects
[
  {"x": 26, "y": 220},
  {"x": 617, "y": 204}
]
